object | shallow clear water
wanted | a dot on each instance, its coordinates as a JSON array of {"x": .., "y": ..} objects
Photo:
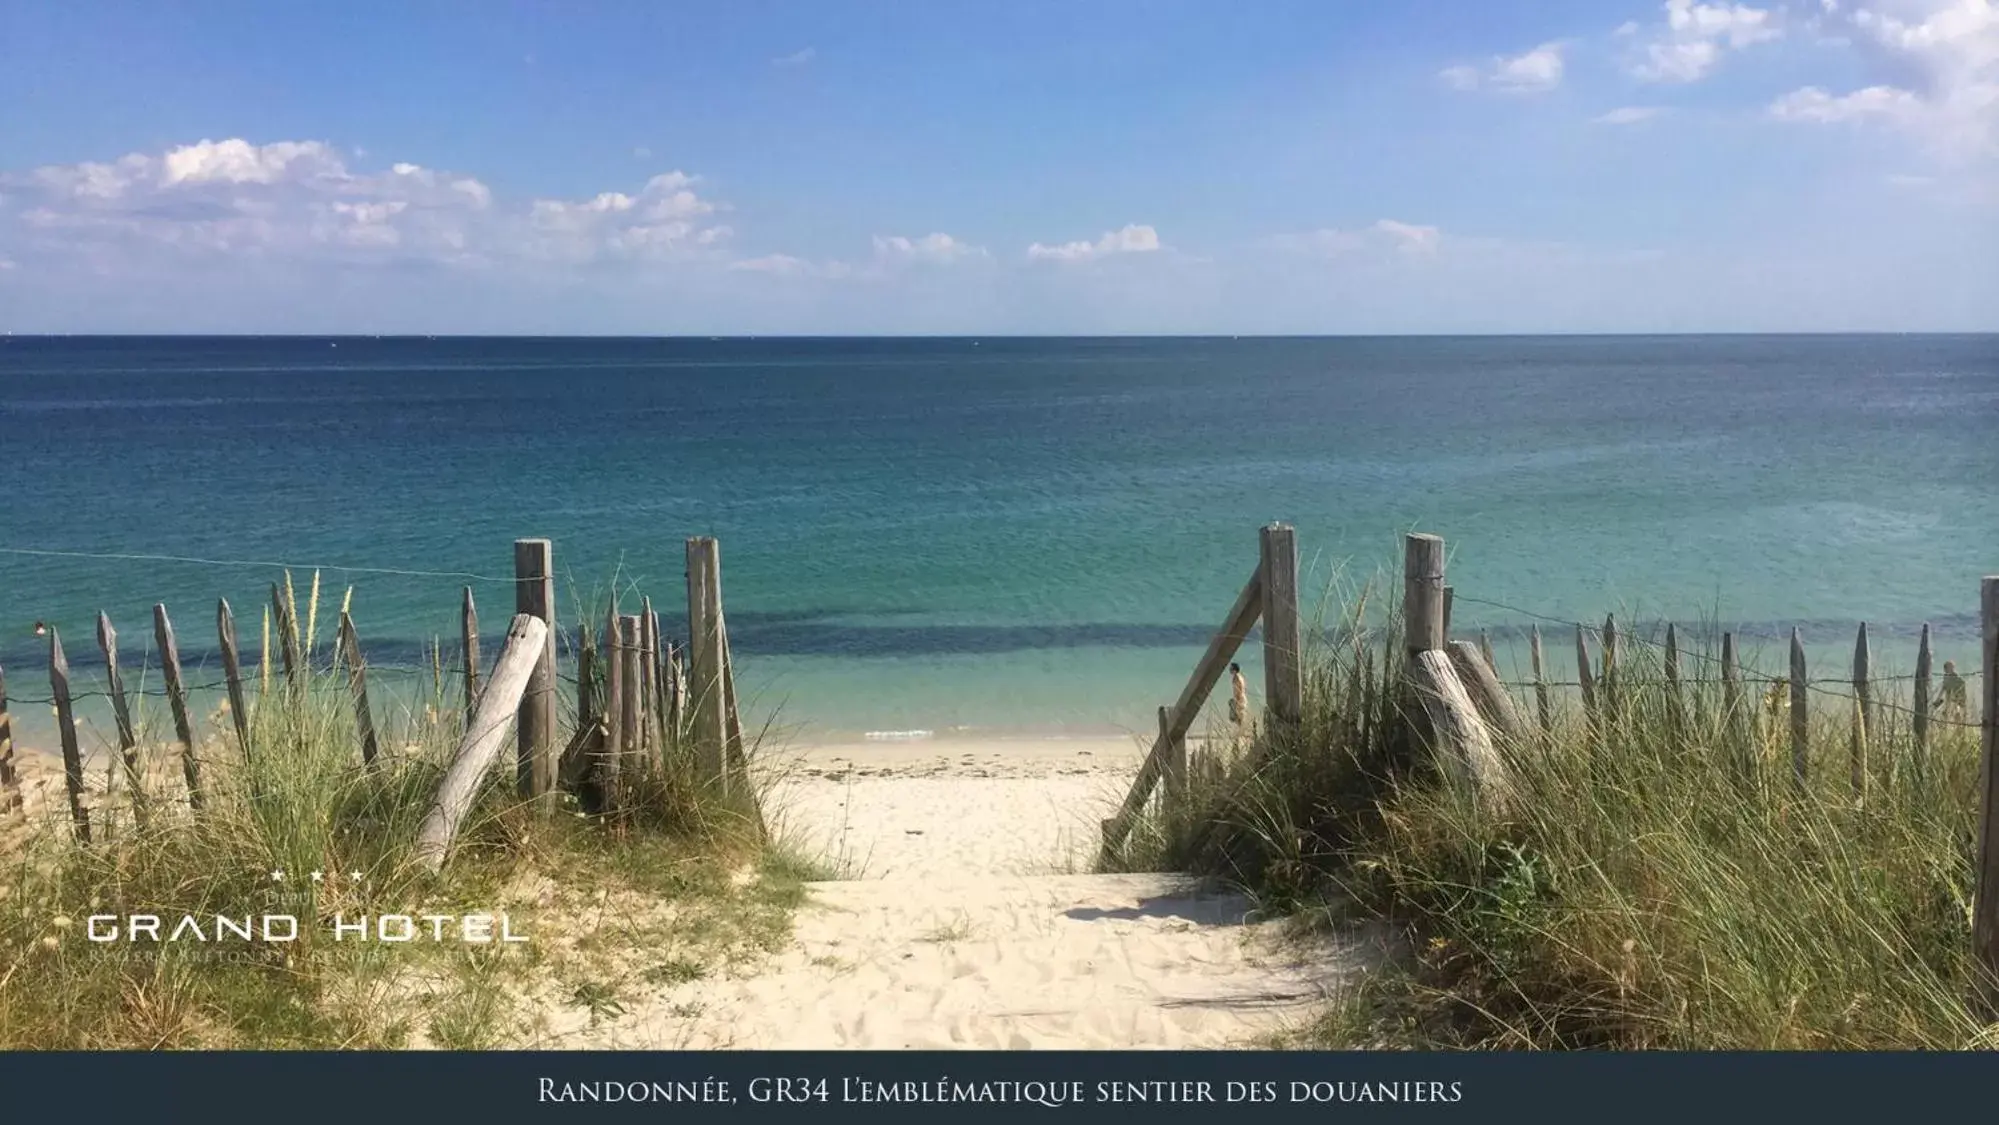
[{"x": 1003, "y": 534}]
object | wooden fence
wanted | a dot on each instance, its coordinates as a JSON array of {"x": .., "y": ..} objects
[{"x": 637, "y": 695}]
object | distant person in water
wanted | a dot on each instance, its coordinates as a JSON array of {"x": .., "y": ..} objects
[
  {"x": 1952, "y": 705},
  {"x": 41, "y": 630},
  {"x": 1238, "y": 697}
]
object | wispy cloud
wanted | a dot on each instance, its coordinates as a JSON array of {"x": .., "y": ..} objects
[
  {"x": 1946, "y": 56},
  {"x": 1694, "y": 37},
  {"x": 1529, "y": 72},
  {"x": 1629, "y": 115},
  {"x": 796, "y": 58},
  {"x": 1133, "y": 239},
  {"x": 302, "y": 200},
  {"x": 1380, "y": 235}
]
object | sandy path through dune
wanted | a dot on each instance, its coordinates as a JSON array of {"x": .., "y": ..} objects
[{"x": 965, "y": 928}]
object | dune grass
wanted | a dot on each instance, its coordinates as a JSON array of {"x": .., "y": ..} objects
[
  {"x": 1644, "y": 889},
  {"x": 675, "y": 888}
]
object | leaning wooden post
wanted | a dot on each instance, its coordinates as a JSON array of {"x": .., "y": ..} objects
[
  {"x": 1450, "y": 599},
  {"x": 72, "y": 757},
  {"x": 1488, "y": 695},
  {"x": 1985, "y": 912},
  {"x": 734, "y": 760},
  {"x": 1675, "y": 705},
  {"x": 121, "y": 714},
  {"x": 1542, "y": 711},
  {"x": 520, "y": 659},
  {"x": 1174, "y": 769},
  {"x": 534, "y": 594},
  {"x": 1863, "y": 713},
  {"x": 662, "y": 733},
  {"x": 232, "y": 671},
  {"x": 705, "y": 681},
  {"x": 10, "y": 781},
  {"x": 1921, "y": 721},
  {"x": 357, "y": 685},
  {"x": 1283, "y": 674},
  {"x": 1800, "y": 710},
  {"x": 163, "y": 638},
  {"x": 468, "y": 648}
]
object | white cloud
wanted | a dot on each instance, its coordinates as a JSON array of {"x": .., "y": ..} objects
[
  {"x": 1815, "y": 104},
  {"x": 1382, "y": 235},
  {"x": 1629, "y": 115},
  {"x": 783, "y": 265},
  {"x": 301, "y": 199},
  {"x": 937, "y": 247},
  {"x": 796, "y": 58},
  {"x": 1133, "y": 239},
  {"x": 1530, "y": 72},
  {"x": 1695, "y": 36},
  {"x": 1944, "y": 55}
]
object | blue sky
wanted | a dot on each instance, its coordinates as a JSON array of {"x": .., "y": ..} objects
[{"x": 1472, "y": 166}]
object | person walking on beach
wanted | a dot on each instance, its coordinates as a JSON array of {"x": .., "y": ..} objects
[
  {"x": 1238, "y": 698},
  {"x": 1952, "y": 705}
]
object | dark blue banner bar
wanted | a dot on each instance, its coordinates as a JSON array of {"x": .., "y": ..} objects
[{"x": 934, "y": 1086}]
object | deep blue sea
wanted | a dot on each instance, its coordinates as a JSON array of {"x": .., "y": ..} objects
[{"x": 1008, "y": 535}]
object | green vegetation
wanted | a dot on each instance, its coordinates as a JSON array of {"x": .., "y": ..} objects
[
  {"x": 614, "y": 908},
  {"x": 1639, "y": 892}
]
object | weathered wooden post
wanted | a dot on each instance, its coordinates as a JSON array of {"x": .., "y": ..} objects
[
  {"x": 163, "y": 637},
  {"x": 1488, "y": 695},
  {"x": 1985, "y": 911},
  {"x": 631, "y": 705},
  {"x": 1612, "y": 705},
  {"x": 648, "y": 676},
  {"x": 1543, "y": 712},
  {"x": 615, "y": 689},
  {"x": 1741, "y": 753},
  {"x": 520, "y": 658},
  {"x": 1585, "y": 682},
  {"x": 468, "y": 647},
  {"x": 357, "y": 685},
  {"x": 1863, "y": 712},
  {"x": 232, "y": 671},
  {"x": 72, "y": 756},
  {"x": 705, "y": 679},
  {"x": 1422, "y": 594},
  {"x": 121, "y": 714},
  {"x": 1921, "y": 721},
  {"x": 586, "y": 675},
  {"x": 282, "y": 608},
  {"x": 10, "y": 781},
  {"x": 1283, "y": 674},
  {"x": 534, "y": 594},
  {"x": 1675, "y": 705},
  {"x": 676, "y": 693},
  {"x": 1800, "y": 711},
  {"x": 1175, "y": 766}
]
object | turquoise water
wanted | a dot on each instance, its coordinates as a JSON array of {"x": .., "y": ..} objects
[{"x": 1010, "y": 535}]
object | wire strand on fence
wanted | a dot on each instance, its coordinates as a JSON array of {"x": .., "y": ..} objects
[
  {"x": 1750, "y": 676},
  {"x": 301, "y": 567}
]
